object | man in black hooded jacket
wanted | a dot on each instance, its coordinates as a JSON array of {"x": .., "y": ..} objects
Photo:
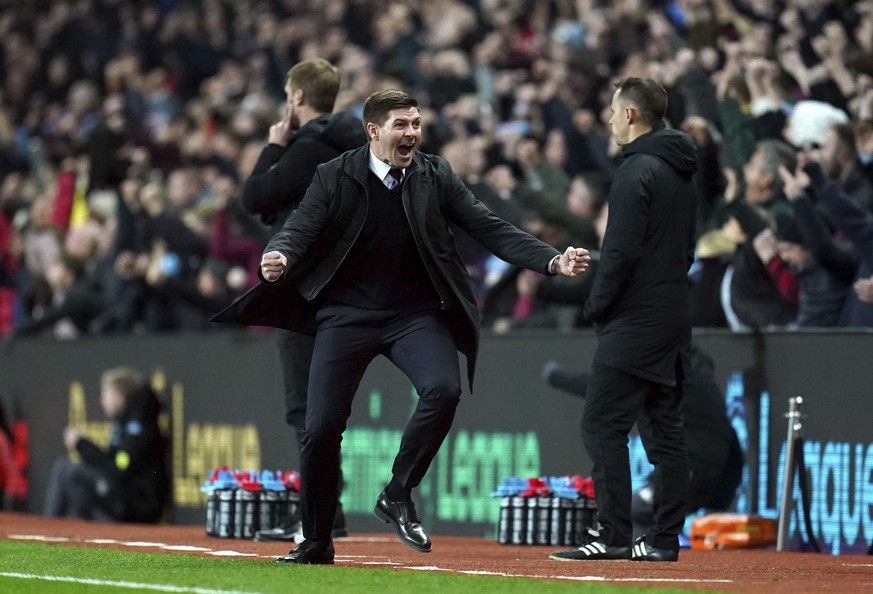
[
  {"x": 308, "y": 135},
  {"x": 639, "y": 305}
]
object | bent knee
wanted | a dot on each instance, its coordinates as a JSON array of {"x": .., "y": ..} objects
[
  {"x": 326, "y": 434},
  {"x": 442, "y": 393}
]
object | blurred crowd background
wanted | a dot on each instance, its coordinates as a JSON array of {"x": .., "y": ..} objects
[{"x": 128, "y": 129}]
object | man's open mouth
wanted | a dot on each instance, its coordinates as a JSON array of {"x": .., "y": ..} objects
[{"x": 405, "y": 149}]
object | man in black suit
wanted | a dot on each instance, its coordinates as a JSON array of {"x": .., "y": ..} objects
[
  {"x": 639, "y": 305},
  {"x": 307, "y": 136},
  {"x": 370, "y": 250}
]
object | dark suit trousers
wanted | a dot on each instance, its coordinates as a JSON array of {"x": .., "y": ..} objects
[
  {"x": 614, "y": 402},
  {"x": 295, "y": 357},
  {"x": 420, "y": 344}
]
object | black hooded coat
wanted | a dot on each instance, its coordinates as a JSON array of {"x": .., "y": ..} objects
[{"x": 639, "y": 303}]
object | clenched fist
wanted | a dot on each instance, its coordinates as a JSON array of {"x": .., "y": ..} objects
[{"x": 273, "y": 265}]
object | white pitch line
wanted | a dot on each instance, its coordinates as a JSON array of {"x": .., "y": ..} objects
[
  {"x": 38, "y": 537},
  {"x": 143, "y": 544},
  {"x": 587, "y": 578},
  {"x": 121, "y": 584},
  {"x": 185, "y": 548},
  {"x": 597, "y": 578}
]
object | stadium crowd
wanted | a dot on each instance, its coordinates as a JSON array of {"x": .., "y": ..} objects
[{"x": 128, "y": 129}]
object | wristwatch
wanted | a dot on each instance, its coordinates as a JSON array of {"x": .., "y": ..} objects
[{"x": 553, "y": 265}]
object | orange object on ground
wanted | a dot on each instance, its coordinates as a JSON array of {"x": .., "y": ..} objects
[{"x": 732, "y": 531}]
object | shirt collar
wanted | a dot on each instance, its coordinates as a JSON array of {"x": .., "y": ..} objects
[{"x": 380, "y": 168}]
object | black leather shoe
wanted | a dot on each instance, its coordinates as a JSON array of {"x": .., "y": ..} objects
[
  {"x": 643, "y": 551},
  {"x": 406, "y": 521},
  {"x": 310, "y": 552}
]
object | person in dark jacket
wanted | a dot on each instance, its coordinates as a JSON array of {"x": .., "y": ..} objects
[
  {"x": 126, "y": 481},
  {"x": 639, "y": 305},
  {"x": 758, "y": 289},
  {"x": 854, "y": 222},
  {"x": 370, "y": 249},
  {"x": 808, "y": 247},
  {"x": 308, "y": 135}
]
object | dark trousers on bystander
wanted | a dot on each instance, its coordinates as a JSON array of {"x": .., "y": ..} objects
[{"x": 615, "y": 401}]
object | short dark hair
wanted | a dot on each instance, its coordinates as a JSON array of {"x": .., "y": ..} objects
[
  {"x": 319, "y": 80},
  {"x": 647, "y": 95},
  {"x": 379, "y": 104}
]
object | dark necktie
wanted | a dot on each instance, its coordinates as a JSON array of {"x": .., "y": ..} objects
[{"x": 396, "y": 174}]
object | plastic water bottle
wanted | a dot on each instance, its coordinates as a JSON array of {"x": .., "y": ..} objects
[
  {"x": 273, "y": 503},
  {"x": 246, "y": 498}
]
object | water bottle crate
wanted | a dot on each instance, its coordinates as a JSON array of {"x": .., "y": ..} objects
[
  {"x": 553, "y": 511},
  {"x": 545, "y": 520},
  {"x": 240, "y": 503}
]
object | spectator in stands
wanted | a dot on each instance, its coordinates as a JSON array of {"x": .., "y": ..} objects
[
  {"x": 192, "y": 299},
  {"x": 864, "y": 138},
  {"x": 539, "y": 174},
  {"x": 713, "y": 253},
  {"x": 760, "y": 290},
  {"x": 127, "y": 481},
  {"x": 820, "y": 294},
  {"x": 838, "y": 156},
  {"x": 855, "y": 223},
  {"x": 823, "y": 265},
  {"x": 467, "y": 159},
  {"x": 709, "y": 179},
  {"x": 10, "y": 255},
  {"x": 42, "y": 247},
  {"x": 180, "y": 247},
  {"x": 809, "y": 123},
  {"x": 235, "y": 238},
  {"x": 77, "y": 301}
]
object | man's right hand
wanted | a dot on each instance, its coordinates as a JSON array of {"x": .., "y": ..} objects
[
  {"x": 72, "y": 435},
  {"x": 273, "y": 265},
  {"x": 281, "y": 132}
]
